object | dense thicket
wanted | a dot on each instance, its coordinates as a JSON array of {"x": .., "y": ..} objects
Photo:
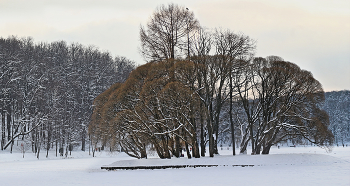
[
  {"x": 337, "y": 105},
  {"x": 47, "y": 90}
]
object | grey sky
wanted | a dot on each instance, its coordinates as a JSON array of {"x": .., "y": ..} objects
[{"x": 315, "y": 34}]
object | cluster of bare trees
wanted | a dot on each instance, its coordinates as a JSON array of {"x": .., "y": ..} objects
[
  {"x": 168, "y": 105},
  {"x": 47, "y": 90},
  {"x": 199, "y": 85},
  {"x": 156, "y": 107},
  {"x": 281, "y": 101}
]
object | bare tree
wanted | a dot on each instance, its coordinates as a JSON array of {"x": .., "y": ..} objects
[
  {"x": 281, "y": 102},
  {"x": 216, "y": 73},
  {"x": 166, "y": 35}
]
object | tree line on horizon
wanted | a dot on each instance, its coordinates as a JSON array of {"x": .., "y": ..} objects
[
  {"x": 337, "y": 105},
  {"x": 200, "y": 86},
  {"x": 47, "y": 90}
]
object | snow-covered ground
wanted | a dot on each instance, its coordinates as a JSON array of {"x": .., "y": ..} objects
[{"x": 284, "y": 166}]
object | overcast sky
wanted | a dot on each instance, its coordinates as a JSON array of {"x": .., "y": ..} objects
[{"x": 315, "y": 34}]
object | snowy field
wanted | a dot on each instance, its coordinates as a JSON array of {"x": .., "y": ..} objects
[{"x": 284, "y": 166}]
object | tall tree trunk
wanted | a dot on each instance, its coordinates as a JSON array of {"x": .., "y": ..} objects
[
  {"x": 187, "y": 149},
  {"x": 195, "y": 147},
  {"x": 165, "y": 147},
  {"x": 38, "y": 151},
  {"x": 90, "y": 144},
  {"x": 244, "y": 144},
  {"x": 83, "y": 136},
  {"x": 177, "y": 146},
  {"x": 266, "y": 150},
  {"x": 3, "y": 134},
  {"x": 8, "y": 121},
  {"x": 210, "y": 130},
  {"x": 48, "y": 142},
  {"x": 216, "y": 133},
  {"x": 252, "y": 138},
  {"x": 231, "y": 118},
  {"x": 202, "y": 131},
  {"x": 211, "y": 139},
  {"x": 257, "y": 149}
]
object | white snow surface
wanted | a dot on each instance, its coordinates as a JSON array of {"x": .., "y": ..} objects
[{"x": 283, "y": 166}]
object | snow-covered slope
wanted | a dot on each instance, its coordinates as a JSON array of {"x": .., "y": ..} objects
[{"x": 284, "y": 166}]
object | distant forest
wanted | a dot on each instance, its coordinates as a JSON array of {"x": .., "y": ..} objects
[
  {"x": 337, "y": 105},
  {"x": 47, "y": 91}
]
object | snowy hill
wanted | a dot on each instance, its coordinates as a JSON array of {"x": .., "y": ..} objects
[{"x": 284, "y": 166}]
